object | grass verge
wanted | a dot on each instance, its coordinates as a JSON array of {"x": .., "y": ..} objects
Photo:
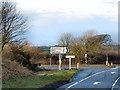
[{"x": 41, "y": 80}]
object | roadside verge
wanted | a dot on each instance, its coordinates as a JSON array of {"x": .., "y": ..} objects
[{"x": 46, "y": 79}]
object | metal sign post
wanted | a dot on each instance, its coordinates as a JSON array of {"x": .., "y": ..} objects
[
  {"x": 59, "y": 62},
  {"x": 60, "y": 51},
  {"x": 69, "y": 63},
  {"x": 50, "y": 61},
  {"x": 70, "y": 60}
]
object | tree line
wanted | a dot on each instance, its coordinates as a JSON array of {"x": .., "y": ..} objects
[
  {"x": 13, "y": 26},
  {"x": 89, "y": 43}
]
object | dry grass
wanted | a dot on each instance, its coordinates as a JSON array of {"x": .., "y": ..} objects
[{"x": 11, "y": 69}]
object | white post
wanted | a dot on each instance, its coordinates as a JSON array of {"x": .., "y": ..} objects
[
  {"x": 85, "y": 58},
  {"x": 106, "y": 59},
  {"x": 69, "y": 63},
  {"x": 50, "y": 61},
  {"x": 77, "y": 65},
  {"x": 59, "y": 62},
  {"x": 106, "y": 62}
]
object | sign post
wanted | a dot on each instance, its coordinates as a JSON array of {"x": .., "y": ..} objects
[
  {"x": 69, "y": 63},
  {"x": 50, "y": 61},
  {"x": 60, "y": 51},
  {"x": 59, "y": 62},
  {"x": 70, "y": 60}
]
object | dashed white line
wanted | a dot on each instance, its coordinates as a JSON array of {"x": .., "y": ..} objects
[
  {"x": 113, "y": 72},
  {"x": 96, "y": 83},
  {"x": 89, "y": 77},
  {"x": 83, "y": 80}
]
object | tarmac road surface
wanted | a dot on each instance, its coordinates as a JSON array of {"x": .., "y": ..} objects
[{"x": 93, "y": 79}]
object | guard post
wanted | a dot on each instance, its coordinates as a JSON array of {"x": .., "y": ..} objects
[
  {"x": 77, "y": 65},
  {"x": 85, "y": 58}
]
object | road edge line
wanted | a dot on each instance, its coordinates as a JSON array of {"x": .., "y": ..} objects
[
  {"x": 115, "y": 83},
  {"x": 89, "y": 77}
]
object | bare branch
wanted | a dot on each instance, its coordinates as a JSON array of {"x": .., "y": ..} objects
[{"x": 13, "y": 24}]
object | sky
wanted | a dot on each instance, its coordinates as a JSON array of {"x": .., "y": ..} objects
[{"x": 48, "y": 19}]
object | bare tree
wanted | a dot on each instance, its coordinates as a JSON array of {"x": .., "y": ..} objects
[
  {"x": 12, "y": 24},
  {"x": 65, "y": 39}
]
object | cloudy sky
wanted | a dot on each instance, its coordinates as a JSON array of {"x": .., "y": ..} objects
[{"x": 48, "y": 19}]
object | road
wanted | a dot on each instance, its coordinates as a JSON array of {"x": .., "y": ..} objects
[
  {"x": 74, "y": 67},
  {"x": 103, "y": 79}
]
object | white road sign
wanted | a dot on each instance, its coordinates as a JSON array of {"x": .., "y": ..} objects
[
  {"x": 70, "y": 56},
  {"x": 59, "y": 50}
]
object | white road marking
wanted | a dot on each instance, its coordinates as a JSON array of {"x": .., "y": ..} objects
[
  {"x": 96, "y": 83},
  {"x": 113, "y": 72},
  {"x": 83, "y": 80},
  {"x": 115, "y": 68},
  {"x": 115, "y": 83},
  {"x": 89, "y": 77}
]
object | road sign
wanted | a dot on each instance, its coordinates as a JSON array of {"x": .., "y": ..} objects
[
  {"x": 59, "y": 50},
  {"x": 70, "y": 56},
  {"x": 46, "y": 49}
]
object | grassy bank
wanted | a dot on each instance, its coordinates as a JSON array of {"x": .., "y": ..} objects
[{"x": 40, "y": 80}]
